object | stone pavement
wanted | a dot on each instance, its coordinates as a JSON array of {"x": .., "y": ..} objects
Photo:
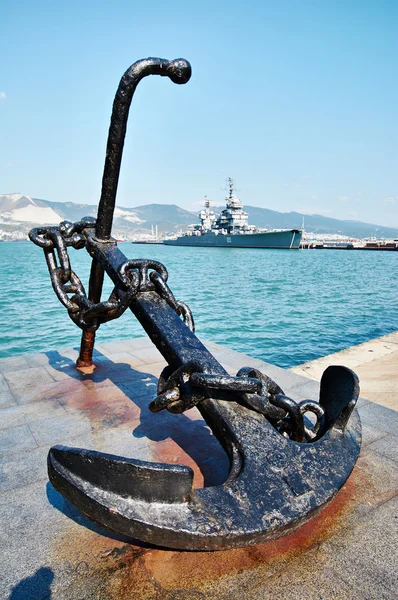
[
  {"x": 375, "y": 363},
  {"x": 50, "y": 550}
]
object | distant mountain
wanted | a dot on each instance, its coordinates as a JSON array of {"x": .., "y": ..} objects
[
  {"x": 19, "y": 213},
  {"x": 70, "y": 211},
  {"x": 269, "y": 218},
  {"x": 17, "y": 208},
  {"x": 263, "y": 217},
  {"x": 168, "y": 217}
]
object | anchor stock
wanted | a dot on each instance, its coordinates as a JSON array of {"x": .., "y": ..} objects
[{"x": 283, "y": 468}]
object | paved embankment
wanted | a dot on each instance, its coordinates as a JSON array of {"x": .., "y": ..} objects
[
  {"x": 52, "y": 551},
  {"x": 375, "y": 363}
]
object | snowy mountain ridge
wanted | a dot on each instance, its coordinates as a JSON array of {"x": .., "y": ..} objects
[
  {"x": 19, "y": 213},
  {"x": 18, "y": 208}
]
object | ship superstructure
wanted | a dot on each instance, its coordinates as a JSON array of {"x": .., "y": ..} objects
[
  {"x": 207, "y": 216},
  {"x": 231, "y": 229},
  {"x": 233, "y": 218}
]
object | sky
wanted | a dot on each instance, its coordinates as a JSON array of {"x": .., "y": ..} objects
[{"x": 294, "y": 99}]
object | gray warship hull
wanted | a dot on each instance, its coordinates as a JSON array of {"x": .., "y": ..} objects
[{"x": 288, "y": 239}]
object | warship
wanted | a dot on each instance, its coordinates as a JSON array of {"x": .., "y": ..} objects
[{"x": 231, "y": 229}]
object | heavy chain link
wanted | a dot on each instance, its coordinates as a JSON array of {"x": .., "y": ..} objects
[
  {"x": 135, "y": 276},
  {"x": 65, "y": 282},
  {"x": 156, "y": 280},
  {"x": 189, "y": 385}
]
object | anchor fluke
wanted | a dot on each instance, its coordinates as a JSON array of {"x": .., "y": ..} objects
[
  {"x": 275, "y": 485},
  {"x": 125, "y": 477},
  {"x": 337, "y": 384}
]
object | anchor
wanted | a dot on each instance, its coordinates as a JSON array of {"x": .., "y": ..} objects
[{"x": 287, "y": 458}]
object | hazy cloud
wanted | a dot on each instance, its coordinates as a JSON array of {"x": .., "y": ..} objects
[
  {"x": 3, "y": 96},
  {"x": 343, "y": 198},
  {"x": 391, "y": 200}
]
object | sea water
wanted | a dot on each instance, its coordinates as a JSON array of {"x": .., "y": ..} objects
[{"x": 285, "y": 307}]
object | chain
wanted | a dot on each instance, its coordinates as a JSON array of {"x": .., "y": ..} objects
[
  {"x": 134, "y": 277},
  {"x": 189, "y": 385},
  {"x": 65, "y": 282},
  {"x": 178, "y": 306},
  {"x": 155, "y": 281}
]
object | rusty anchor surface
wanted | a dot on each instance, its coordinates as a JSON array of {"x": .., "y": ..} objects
[{"x": 287, "y": 458}]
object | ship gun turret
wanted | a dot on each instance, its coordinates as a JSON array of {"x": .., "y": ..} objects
[{"x": 287, "y": 458}]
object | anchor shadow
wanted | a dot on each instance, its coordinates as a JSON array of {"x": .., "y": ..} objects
[{"x": 169, "y": 432}]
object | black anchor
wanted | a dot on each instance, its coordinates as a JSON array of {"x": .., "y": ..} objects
[{"x": 283, "y": 468}]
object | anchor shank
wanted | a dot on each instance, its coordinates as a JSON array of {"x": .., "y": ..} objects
[
  {"x": 179, "y": 71},
  {"x": 176, "y": 342}
]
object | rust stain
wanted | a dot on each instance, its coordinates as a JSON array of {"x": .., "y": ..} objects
[
  {"x": 129, "y": 571},
  {"x": 108, "y": 407},
  {"x": 85, "y": 369},
  {"x": 122, "y": 571},
  {"x": 85, "y": 398},
  {"x": 185, "y": 569},
  {"x": 113, "y": 415},
  {"x": 55, "y": 390},
  {"x": 92, "y": 384}
]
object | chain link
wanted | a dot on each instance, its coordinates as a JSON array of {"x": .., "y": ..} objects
[
  {"x": 178, "y": 306},
  {"x": 189, "y": 385},
  {"x": 135, "y": 277},
  {"x": 55, "y": 241}
]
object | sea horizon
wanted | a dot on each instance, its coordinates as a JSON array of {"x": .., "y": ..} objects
[{"x": 284, "y": 307}]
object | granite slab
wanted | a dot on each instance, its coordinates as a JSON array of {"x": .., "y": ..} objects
[{"x": 51, "y": 551}]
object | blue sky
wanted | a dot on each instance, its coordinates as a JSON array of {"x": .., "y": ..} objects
[{"x": 295, "y": 99}]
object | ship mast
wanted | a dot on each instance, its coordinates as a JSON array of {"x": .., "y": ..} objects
[
  {"x": 231, "y": 187},
  {"x": 232, "y": 201}
]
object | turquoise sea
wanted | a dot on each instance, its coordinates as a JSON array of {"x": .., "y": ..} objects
[{"x": 285, "y": 307}]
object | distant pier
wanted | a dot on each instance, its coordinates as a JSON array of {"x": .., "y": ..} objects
[{"x": 388, "y": 247}]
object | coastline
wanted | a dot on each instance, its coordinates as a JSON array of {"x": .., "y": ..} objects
[{"x": 375, "y": 362}]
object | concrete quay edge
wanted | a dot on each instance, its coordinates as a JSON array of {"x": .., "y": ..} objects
[{"x": 375, "y": 362}]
